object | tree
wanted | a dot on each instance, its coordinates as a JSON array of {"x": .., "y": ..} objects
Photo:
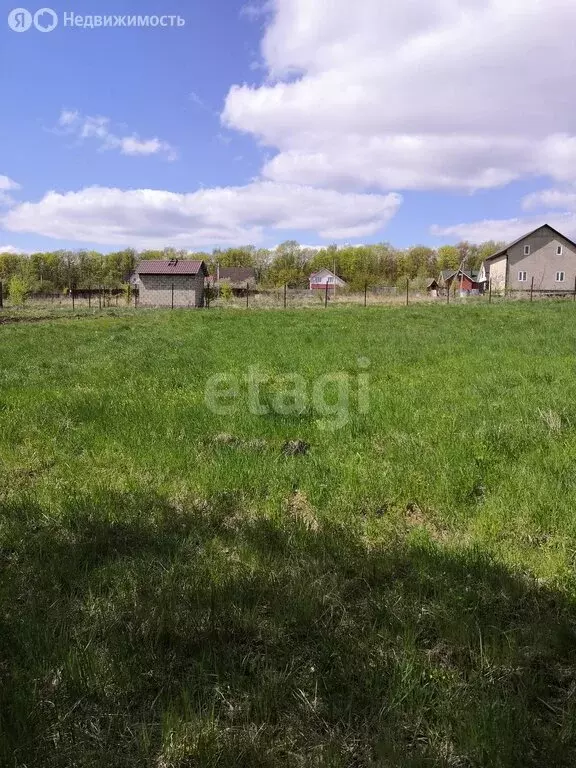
[
  {"x": 18, "y": 290},
  {"x": 448, "y": 257},
  {"x": 235, "y": 257},
  {"x": 421, "y": 261},
  {"x": 288, "y": 265}
]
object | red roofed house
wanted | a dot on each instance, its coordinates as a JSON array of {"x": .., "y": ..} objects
[{"x": 175, "y": 283}]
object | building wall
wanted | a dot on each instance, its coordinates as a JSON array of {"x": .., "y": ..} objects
[
  {"x": 465, "y": 284},
  {"x": 156, "y": 290},
  {"x": 497, "y": 273},
  {"x": 542, "y": 263}
]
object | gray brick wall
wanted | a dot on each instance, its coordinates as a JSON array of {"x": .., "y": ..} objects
[{"x": 156, "y": 290}]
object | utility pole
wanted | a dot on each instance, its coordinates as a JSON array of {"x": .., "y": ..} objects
[{"x": 334, "y": 273}]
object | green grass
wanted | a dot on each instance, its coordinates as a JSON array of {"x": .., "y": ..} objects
[{"x": 403, "y": 594}]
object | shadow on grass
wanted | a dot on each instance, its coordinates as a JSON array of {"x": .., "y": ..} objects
[{"x": 135, "y": 633}]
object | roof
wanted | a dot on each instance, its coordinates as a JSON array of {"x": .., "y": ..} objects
[
  {"x": 471, "y": 274},
  {"x": 171, "y": 267},
  {"x": 237, "y": 274},
  {"x": 502, "y": 251}
]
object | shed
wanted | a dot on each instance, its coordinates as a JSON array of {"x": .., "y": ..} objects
[{"x": 177, "y": 283}]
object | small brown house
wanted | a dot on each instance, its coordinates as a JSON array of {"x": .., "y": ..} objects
[
  {"x": 236, "y": 277},
  {"x": 174, "y": 283}
]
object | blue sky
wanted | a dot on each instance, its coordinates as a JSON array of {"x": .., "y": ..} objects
[{"x": 147, "y": 137}]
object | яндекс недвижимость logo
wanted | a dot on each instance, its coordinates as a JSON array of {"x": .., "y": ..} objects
[
  {"x": 21, "y": 20},
  {"x": 46, "y": 20}
]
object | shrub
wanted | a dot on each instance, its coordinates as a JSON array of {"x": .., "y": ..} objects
[
  {"x": 18, "y": 290},
  {"x": 225, "y": 291}
]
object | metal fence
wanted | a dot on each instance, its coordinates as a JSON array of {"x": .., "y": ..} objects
[{"x": 284, "y": 297}]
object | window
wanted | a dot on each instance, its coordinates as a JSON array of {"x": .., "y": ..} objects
[
  {"x": 559, "y": 277},
  {"x": 522, "y": 277},
  {"x": 559, "y": 250},
  {"x": 526, "y": 250}
]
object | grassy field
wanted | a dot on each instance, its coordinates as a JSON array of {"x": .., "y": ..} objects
[{"x": 177, "y": 589}]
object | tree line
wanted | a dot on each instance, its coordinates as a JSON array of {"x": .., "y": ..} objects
[{"x": 288, "y": 264}]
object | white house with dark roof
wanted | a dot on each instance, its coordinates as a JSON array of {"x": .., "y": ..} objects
[{"x": 544, "y": 256}]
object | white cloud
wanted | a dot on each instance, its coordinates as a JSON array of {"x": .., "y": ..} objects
[
  {"x": 7, "y": 185},
  {"x": 99, "y": 128},
  {"x": 555, "y": 206},
  {"x": 12, "y": 249},
  {"x": 558, "y": 199},
  {"x": 506, "y": 229},
  {"x": 226, "y": 215},
  {"x": 420, "y": 94}
]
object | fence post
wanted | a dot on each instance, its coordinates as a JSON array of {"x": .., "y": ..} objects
[
  {"x": 1, "y": 295},
  {"x": 573, "y": 298},
  {"x": 247, "y": 295},
  {"x": 326, "y": 297},
  {"x": 100, "y": 298},
  {"x": 89, "y": 297},
  {"x": 490, "y": 292},
  {"x": 407, "y": 291},
  {"x": 73, "y": 297},
  {"x": 366, "y": 293},
  {"x": 172, "y": 307},
  {"x": 531, "y": 289},
  {"x": 285, "y": 293}
]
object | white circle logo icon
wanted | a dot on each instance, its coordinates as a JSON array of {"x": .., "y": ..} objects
[
  {"x": 19, "y": 20},
  {"x": 45, "y": 20}
]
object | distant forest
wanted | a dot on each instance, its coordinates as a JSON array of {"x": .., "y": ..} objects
[{"x": 289, "y": 263}]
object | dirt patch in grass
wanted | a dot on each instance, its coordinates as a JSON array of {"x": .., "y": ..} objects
[
  {"x": 301, "y": 510},
  {"x": 232, "y": 441},
  {"x": 416, "y": 516}
]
